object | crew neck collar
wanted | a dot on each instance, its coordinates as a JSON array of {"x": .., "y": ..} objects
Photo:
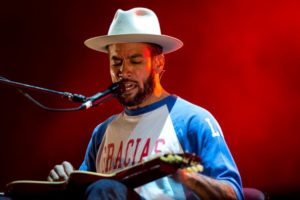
[{"x": 148, "y": 108}]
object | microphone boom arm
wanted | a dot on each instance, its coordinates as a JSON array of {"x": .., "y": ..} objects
[
  {"x": 87, "y": 102},
  {"x": 68, "y": 95}
]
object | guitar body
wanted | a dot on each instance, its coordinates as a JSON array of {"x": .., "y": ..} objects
[{"x": 78, "y": 181}]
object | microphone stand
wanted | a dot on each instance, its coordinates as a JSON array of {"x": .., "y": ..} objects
[{"x": 70, "y": 96}]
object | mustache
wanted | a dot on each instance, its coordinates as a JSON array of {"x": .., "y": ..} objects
[
  {"x": 124, "y": 80},
  {"x": 122, "y": 84}
]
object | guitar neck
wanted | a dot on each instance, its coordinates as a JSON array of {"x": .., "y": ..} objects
[
  {"x": 133, "y": 177},
  {"x": 141, "y": 173},
  {"x": 145, "y": 173}
]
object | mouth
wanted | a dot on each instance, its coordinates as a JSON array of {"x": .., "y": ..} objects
[{"x": 128, "y": 86}]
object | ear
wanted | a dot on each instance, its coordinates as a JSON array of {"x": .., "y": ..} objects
[{"x": 159, "y": 63}]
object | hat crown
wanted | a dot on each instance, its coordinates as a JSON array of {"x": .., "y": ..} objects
[
  {"x": 135, "y": 21},
  {"x": 134, "y": 25}
]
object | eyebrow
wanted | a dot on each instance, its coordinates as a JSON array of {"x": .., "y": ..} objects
[{"x": 137, "y": 55}]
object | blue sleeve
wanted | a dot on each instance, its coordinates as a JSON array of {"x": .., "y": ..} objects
[
  {"x": 215, "y": 155},
  {"x": 89, "y": 162},
  {"x": 199, "y": 132}
]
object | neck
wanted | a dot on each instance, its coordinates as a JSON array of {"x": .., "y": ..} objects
[{"x": 158, "y": 94}]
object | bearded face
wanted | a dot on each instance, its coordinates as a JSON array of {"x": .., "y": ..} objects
[
  {"x": 128, "y": 100},
  {"x": 132, "y": 64}
]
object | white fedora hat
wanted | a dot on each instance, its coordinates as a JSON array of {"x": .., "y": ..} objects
[{"x": 134, "y": 25}]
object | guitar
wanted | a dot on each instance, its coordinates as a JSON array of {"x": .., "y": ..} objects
[{"x": 133, "y": 177}]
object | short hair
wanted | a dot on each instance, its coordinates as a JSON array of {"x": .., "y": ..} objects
[{"x": 155, "y": 49}]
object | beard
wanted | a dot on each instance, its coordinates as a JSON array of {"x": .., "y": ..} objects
[{"x": 140, "y": 96}]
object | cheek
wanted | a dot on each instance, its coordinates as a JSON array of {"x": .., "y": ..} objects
[
  {"x": 146, "y": 72},
  {"x": 114, "y": 75}
]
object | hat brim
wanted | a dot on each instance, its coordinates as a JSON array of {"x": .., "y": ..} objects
[{"x": 100, "y": 43}]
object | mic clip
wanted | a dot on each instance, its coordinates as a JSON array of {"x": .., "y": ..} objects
[{"x": 75, "y": 97}]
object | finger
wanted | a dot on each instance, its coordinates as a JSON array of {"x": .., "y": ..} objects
[
  {"x": 49, "y": 179},
  {"x": 67, "y": 167},
  {"x": 59, "y": 170},
  {"x": 182, "y": 175},
  {"x": 53, "y": 176}
]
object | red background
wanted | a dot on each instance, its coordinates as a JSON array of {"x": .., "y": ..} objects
[{"x": 240, "y": 60}]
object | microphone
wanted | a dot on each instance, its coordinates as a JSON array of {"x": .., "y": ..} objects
[
  {"x": 74, "y": 97},
  {"x": 101, "y": 96}
]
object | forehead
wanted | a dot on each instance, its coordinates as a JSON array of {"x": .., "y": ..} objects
[{"x": 124, "y": 49}]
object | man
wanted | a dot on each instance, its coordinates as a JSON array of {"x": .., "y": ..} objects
[{"x": 153, "y": 121}]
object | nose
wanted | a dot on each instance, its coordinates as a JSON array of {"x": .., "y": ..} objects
[{"x": 125, "y": 71}]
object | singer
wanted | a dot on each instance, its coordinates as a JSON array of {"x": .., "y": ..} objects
[{"x": 153, "y": 122}]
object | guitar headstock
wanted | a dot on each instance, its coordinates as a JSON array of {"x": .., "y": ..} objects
[{"x": 190, "y": 162}]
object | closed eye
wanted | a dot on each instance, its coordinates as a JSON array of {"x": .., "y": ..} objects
[
  {"x": 136, "y": 62},
  {"x": 136, "y": 59},
  {"x": 116, "y": 61},
  {"x": 117, "y": 64}
]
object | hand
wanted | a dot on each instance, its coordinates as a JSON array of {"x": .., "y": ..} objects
[
  {"x": 183, "y": 176},
  {"x": 204, "y": 186},
  {"x": 60, "y": 172}
]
